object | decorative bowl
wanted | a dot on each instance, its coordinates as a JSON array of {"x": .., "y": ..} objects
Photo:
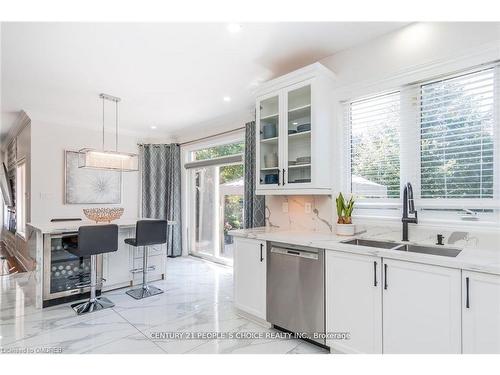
[{"x": 103, "y": 215}]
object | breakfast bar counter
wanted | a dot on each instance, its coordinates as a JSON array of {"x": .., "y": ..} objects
[{"x": 58, "y": 272}]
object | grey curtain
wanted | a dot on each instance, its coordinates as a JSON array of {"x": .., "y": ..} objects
[
  {"x": 254, "y": 205},
  {"x": 161, "y": 189}
]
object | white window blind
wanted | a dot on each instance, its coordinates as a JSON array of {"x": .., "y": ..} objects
[
  {"x": 374, "y": 127},
  {"x": 457, "y": 136}
]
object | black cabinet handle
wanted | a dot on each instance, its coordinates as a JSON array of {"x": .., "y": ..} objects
[
  {"x": 261, "y": 249},
  {"x": 279, "y": 177},
  {"x": 385, "y": 276},
  {"x": 467, "y": 302},
  {"x": 375, "y": 283},
  {"x": 283, "y": 176}
]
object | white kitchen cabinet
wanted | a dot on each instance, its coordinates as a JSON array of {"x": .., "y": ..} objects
[
  {"x": 116, "y": 265},
  {"x": 294, "y": 120},
  {"x": 156, "y": 265},
  {"x": 480, "y": 313},
  {"x": 421, "y": 308},
  {"x": 354, "y": 302},
  {"x": 124, "y": 267},
  {"x": 152, "y": 251},
  {"x": 249, "y": 269}
]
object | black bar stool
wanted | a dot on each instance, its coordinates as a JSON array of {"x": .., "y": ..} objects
[
  {"x": 93, "y": 241},
  {"x": 147, "y": 233}
]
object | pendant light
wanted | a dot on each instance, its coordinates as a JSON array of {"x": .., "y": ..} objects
[{"x": 107, "y": 159}]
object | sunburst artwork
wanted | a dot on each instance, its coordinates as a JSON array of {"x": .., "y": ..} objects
[{"x": 90, "y": 186}]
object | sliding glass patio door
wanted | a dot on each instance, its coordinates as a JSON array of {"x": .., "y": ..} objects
[{"x": 216, "y": 207}]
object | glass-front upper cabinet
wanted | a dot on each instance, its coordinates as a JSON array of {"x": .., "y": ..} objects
[
  {"x": 268, "y": 147},
  {"x": 295, "y": 124},
  {"x": 299, "y": 135}
]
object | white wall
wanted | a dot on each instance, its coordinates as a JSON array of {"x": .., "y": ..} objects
[
  {"x": 48, "y": 143},
  {"x": 412, "y": 50}
]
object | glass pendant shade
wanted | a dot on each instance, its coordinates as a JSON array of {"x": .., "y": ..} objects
[
  {"x": 106, "y": 159},
  {"x": 109, "y": 160}
]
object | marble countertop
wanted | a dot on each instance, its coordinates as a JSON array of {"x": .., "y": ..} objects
[
  {"x": 472, "y": 257},
  {"x": 69, "y": 226}
]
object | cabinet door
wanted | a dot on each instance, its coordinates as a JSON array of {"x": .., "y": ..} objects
[
  {"x": 421, "y": 308},
  {"x": 250, "y": 276},
  {"x": 298, "y": 128},
  {"x": 116, "y": 265},
  {"x": 354, "y": 302},
  {"x": 156, "y": 264},
  {"x": 480, "y": 313},
  {"x": 268, "y": 142}
]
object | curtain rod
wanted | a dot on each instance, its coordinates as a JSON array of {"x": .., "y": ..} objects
[
  {"x": 211, "y": 136},
  {"x": 202, "y": 138}
]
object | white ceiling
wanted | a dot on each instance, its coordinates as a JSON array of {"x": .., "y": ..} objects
[{"x": 169, "y": 75}]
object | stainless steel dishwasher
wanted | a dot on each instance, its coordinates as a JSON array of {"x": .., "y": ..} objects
[{"x": 296, "y": 289}]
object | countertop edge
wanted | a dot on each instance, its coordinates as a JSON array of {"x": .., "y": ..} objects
[
  {"x": 58, "y": 227},
  {"x": 334, "y": 244}
]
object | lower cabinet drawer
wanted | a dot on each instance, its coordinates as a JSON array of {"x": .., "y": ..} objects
[
  {"x": 156, "y": 265},
  {"x": 152, "y": 251}
]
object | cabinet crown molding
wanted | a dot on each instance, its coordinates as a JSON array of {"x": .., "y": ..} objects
[{"x": 307, "y": 72}]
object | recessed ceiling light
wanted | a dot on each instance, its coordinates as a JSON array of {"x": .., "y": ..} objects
[
  {"x": 295, "y": 123},
  {"x": 153, "y": 127},
  {"x": 226, "y": 99},
  {"x": 234, "y": 27}
]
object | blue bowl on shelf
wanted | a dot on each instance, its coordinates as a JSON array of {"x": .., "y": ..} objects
[
  {"x": 271, "y": 178},
  {"x": 303, "y": 128},
  {"x": 269, "y": 131}
]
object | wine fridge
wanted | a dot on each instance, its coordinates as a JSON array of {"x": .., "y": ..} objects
[{"x": 64, "y": 274}]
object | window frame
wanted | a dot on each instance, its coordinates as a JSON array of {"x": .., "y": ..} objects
[
  {"x": 410, "y": 154},
  {"x": 186, "y": 182},
  {"x": 371, "y": 200},
  {"x": 21, "y": 199}
]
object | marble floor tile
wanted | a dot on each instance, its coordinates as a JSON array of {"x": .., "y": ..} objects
[
  {"x": 97, "y": 329},
  {"x": 133, "y": 344},
  {"x": 42, "y": 320},
  {"x": 196, "y": 305}
]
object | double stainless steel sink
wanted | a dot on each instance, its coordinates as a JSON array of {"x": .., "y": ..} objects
[{"x": 390, "y": 245}]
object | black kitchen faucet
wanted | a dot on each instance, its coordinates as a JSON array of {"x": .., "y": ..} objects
[{"x": 408, "y": 208}]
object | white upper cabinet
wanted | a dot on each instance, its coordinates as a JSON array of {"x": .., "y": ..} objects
[
  {"x": 480, "y": 313},
  {"x": 421, "y": 308},
  {"x": 295, "y": 122},
  {"x": 269, "y": 141}
]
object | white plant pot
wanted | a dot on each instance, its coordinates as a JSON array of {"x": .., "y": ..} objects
[{"x": 345, "y": 229}]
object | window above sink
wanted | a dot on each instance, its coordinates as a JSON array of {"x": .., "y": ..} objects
[{"x": 439, "y": 134}]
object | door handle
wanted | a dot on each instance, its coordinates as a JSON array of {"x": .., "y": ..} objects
[
  {"x": 467, "y": 302},
  {"x": 385, "y": 276},
  {"x": 375, "y": 283},
  {"x": 283, "y": 176},
  {"x": 261, "y": 250}
]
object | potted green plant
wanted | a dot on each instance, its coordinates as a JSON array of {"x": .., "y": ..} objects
[
  {"x": 228, "y": 239},
  {"x": 344, "y": 226}
]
